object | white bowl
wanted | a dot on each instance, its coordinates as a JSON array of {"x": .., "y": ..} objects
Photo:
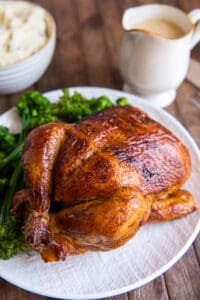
[{"x": 23, "y": 74}]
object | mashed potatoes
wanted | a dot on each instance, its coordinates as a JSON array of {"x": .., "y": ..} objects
[{"x": 23, "y": 31}]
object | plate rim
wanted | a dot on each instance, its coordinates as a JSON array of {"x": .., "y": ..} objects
[{"x": 149, "y": 278}]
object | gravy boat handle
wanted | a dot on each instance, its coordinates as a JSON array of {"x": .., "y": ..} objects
[{"x": 194, "y": 16}]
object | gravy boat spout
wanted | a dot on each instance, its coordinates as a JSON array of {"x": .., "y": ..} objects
[{"x": 131, "y": 18}]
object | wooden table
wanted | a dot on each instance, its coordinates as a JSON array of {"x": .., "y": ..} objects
[{"x": 88, "y": 40}]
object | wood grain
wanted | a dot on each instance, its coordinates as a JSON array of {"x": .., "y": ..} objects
[
  {"x": 87, "y": 53},
  {"x": 156, "y": 290},
  {"x": 182, "y": 276}
]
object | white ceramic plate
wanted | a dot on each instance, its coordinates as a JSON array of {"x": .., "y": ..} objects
[{"x": 154, "y": 249}]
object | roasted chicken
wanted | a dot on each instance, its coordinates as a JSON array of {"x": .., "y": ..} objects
[{"x": 91, "y": 185}]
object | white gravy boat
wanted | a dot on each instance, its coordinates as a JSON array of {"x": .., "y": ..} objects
[{"x": 153, "y": 66}]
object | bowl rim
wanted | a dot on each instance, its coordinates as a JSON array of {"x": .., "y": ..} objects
[{"x": 52, "y": 34}]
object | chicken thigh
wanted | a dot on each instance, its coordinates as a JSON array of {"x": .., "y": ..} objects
[{"x": 91, "y": 185}]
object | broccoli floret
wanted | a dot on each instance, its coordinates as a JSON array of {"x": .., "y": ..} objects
[
  {"x": 7, "y": 141},
  {"x": 122, "y": 101},
  {"x": 11, "y": 238},
  {"x": 100, "y": 103},
  {"x": 72, "y": 108},
  {"x": 35, "y": 109},
  {"x": 33, "y": 102}
]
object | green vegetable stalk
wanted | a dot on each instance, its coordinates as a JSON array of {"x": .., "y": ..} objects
[
  {"x": 12, "y": 187},
  {"x": 11, "y": 238}
]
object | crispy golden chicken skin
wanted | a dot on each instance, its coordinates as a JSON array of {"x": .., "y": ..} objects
[{"x": 108, "y": 174}]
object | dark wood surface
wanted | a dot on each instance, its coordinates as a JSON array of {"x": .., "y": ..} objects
[{"x": 88, "y": 40}]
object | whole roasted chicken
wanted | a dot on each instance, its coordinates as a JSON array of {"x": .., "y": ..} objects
[{"x": 91, "y": 185}]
